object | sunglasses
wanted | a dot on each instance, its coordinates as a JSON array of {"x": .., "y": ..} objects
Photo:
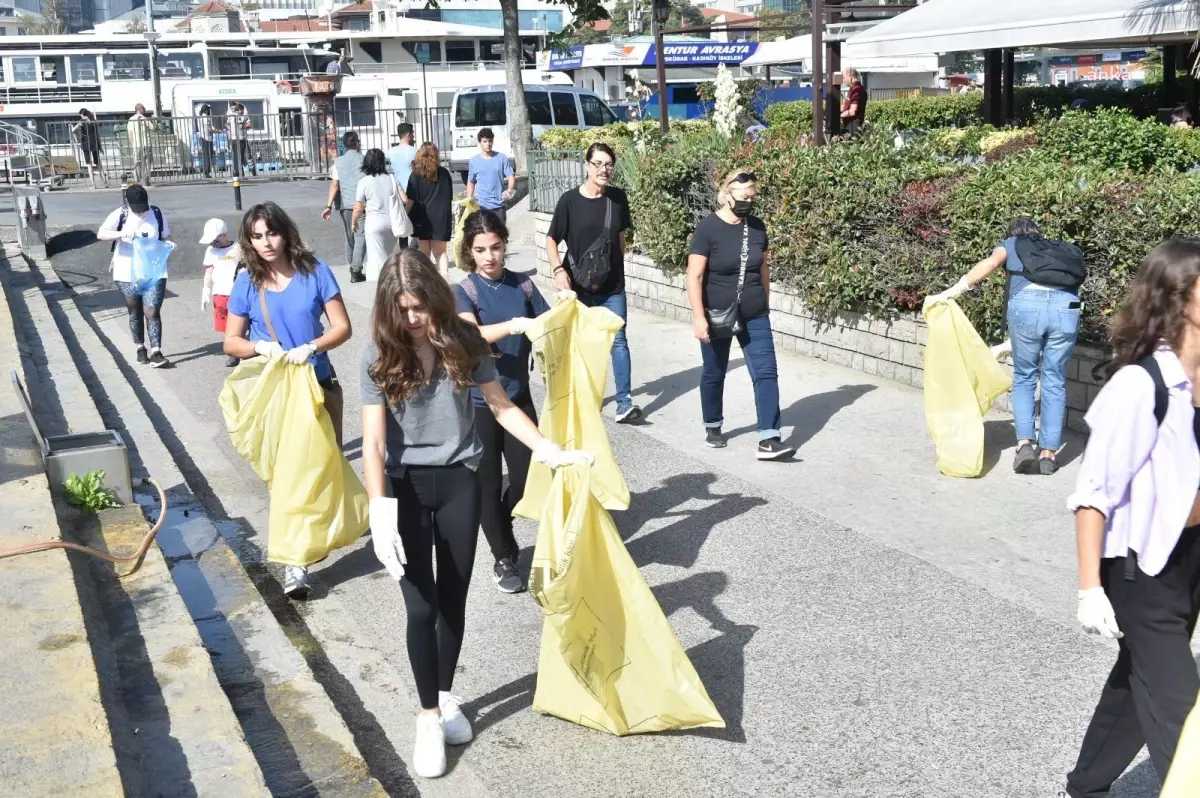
[{"x": 744, "y": 177}]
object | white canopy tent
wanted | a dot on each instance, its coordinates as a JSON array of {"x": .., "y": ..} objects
[
  {"x": 784, "y": 52},
  {"x": 946, "y": 26}
]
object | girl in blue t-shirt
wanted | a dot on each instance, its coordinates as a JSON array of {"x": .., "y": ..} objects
[
  {"x": 501, "y": 303},
  {"x": 284, "y": 278}
]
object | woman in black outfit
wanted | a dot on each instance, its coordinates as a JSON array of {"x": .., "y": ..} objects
[
  {"x": 427, "y": 199},
  {"x": 88, "y": 132}
]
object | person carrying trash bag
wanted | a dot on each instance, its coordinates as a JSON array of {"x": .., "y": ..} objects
[
  {"x": 1137, "y": 521},
  {"x": 278, "y": 301},
  {"x": 1042, "y": 298},
  {"x": 420, "y": 441}
]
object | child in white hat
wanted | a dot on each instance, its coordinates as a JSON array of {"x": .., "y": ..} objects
[{"x": 220, "y": 268}]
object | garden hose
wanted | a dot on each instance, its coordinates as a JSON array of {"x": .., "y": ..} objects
[{"x": 135, "y": 558}]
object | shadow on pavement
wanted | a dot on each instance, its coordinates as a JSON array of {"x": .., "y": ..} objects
[
  {"x": 810, "y": 414},
  {"x": 672, "y": 386},
  {"x": 72, "y": 240}
]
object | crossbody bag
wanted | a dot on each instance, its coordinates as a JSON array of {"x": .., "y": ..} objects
[{"x": 727, "y": 322}]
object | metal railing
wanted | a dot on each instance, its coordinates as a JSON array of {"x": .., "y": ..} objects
[
  {"x": 290, "y": 144},
  {"x": 552, "y": 173},
  {"x": 25, "y": 157},
  {"x": 412, "y": 66}
]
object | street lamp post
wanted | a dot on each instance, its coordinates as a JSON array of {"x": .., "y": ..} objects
[{"x": 662, "y": 13}]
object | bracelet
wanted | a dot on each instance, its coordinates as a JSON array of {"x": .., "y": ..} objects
[{"x": 559, "y": 268}]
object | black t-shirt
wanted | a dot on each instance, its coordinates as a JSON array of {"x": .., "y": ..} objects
[
  {"x": 721, "y": 243},
  {"x": 579, "y": 221}
]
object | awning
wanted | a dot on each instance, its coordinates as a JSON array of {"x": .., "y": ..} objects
[
  {"x": 947, "y": 26},
  {"x": 797, "y": 50}
]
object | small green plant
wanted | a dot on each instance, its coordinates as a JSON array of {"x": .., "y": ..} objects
[{"x": 89, "y": 492}]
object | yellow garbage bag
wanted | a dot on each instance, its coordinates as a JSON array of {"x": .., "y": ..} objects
[
  {"x": 275, "y": 414},
  {"x": 962, "y": 379},
  {"x": 573, "y": 345},
  {"x": 609, "y": 658},
  {"x": 1184, "y": 779},
  {"x": 465, "y": 207}
]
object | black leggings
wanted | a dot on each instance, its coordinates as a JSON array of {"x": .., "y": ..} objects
[
  {"x": 438, "y": 506},
  {"x": 496, "y": 503}
]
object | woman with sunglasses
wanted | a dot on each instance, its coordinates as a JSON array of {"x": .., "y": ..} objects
[{"x": 728, "y": 285}]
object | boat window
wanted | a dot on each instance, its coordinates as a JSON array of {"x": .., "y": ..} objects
[
  {"x": 291, "y": 123},
  {"x": 460, "y": 52},
  {"x": 83, "y": 69},
  {"x": 127, "y": 66},
  {"x": 435, "y": 50},
  {"x": 354, "y": 111},
  {"x": 183, "y": 66},
  {"x": 269, "y": 67},
  {"x": 25, "y": 70},
  {"x": 484, "y": 109}
]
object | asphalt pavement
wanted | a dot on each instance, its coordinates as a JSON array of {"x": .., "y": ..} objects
[{"x": 865, "y": 626}]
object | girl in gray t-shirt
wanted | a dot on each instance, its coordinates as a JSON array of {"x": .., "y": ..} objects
[{"x": 419, "y": 434}]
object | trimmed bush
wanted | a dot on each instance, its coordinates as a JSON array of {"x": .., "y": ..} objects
[
  {"x": 790, "y": 114},
  {"x": 1111, "y": 138}
]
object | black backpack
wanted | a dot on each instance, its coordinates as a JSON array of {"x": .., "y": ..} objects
[{"x": 1054, "y": 264}]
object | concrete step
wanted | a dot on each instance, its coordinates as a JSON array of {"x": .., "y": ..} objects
[
  {"x": 257, "y": 642},
  {"x": 172, "y": 727}
]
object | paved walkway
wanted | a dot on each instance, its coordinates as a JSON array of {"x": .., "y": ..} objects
[{"x": 866, "y": 626}]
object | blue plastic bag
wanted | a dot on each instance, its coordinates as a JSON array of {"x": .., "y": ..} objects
[{"x": 149, "y": 261}]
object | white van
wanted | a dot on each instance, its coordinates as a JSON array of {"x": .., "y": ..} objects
[{"x": 549, "y": 106}]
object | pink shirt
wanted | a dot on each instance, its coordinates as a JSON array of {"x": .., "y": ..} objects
[{"x": 1142, "y": 477}]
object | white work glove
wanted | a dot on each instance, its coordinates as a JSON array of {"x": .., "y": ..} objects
[
  {"x": 1096, "y": 614},
  {"x": 518, "y": 325},
  {"x": 300, "y": 355},
  {"x": 953, "y": 292},
  {"x": 507, "y": 195},
  {"x": 128, "y": 233},
  {"x": 268, "y": 349},
  {"x": 205, "y": 298},
  {"x": 549, "y": 453},
  {"x": 385, "y": 535},
  {"x": 565, "y": 295},
  {"x": 1002, "y": 350}
]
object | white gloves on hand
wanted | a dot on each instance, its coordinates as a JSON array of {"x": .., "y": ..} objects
[
  {"x": 1002, "y": 350},
  {"x": 565, "y": 295},
  {"x": 953, "y": 292},
  {"x": 1096, "y": 614},
  {"x": 509, "y": 194},
  {"x": 300, "y": 355},
  {"x": 549, "y": 453},
  {"x": 518, "y": 325},
  {"x": 268, "y": 349},
  {"x": 205, "y": 298},
  {"x": 385, "y": 535}
]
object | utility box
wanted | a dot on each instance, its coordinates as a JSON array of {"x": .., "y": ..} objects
[
  {"x": 31, "y": 220},
  {"x": 81, "y": 453}
]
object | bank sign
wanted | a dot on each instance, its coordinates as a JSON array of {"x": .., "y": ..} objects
[{"x": 676, "y": 54}]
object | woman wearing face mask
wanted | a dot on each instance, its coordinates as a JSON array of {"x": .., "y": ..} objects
[
  {"x": 728, "y": 284},
  {"x": 420, "y": 439},
  {"x": 501, "y": 303}
]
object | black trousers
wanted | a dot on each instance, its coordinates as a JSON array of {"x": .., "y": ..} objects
[
  {"x": 1153, "y": 686},
  {"x": 438, "y": 509},
  {"x": 497, "y": 503}
]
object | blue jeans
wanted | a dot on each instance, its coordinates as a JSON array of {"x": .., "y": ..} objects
[
  {"x": 622, "y": 371},
  {"x": 1043, "y": 327},
  {"x": 758, "y": 349}
]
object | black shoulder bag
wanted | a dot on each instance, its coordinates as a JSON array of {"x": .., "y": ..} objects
[
  {"x": 591, "y": 269},
  {"x": 727, "y": 322}
]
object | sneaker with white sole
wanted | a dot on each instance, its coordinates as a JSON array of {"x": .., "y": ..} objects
[
  {"x": 508, "y": 579},
  {"x": 455, "y": 726},
  {"x": 774, "y": 449},
  {"x": 629, "y": 414},
  {"x": 158, "y": 360},
  {"x": 429, "y": 751},
  {"x": 295, "y": 582},
  {"x": 713, "y": 438}
]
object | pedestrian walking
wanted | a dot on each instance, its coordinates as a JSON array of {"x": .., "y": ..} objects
[
  {"x": 87, "y": 133},
  {"x": 343, "y": 188},
  {"x": 502, "y": 304},
  {"x": 728, "y": 285},
  {"x": 1044, "y": 278},
  {"x": 141, "y": 145},
  {"x": 204, "y": 131},
  {"x": 490, "y": 177},
  {"x": 591, "y": 220},
  {"x": 138, "y": 218},
  {"x": 220, "y": 270},
  {"x": 275, "y": 310},
  {"x": 401, "y": 158},
  {"x": 237, "y": 123},
  {"x": 1137, "y": 519},
  {"x": 420, "y": 440},
  {"x": 371, "y": 203},
  {"x": 430, "y": 190}
]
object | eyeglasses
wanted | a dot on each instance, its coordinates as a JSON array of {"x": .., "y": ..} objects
[
  {"x": 603, "y": 166},
  {"x": 744, "y": 177}
]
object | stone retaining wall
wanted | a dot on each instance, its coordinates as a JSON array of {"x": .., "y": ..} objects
[{"x": 893, "y": 349}]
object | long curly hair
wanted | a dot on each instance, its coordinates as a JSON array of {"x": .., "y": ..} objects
[
  {"x": 1154, "y": 310},
  {"x": 397, "y": 369},
  {"x": 426, "y": 162},
  {"x": 300, "y": 256},
  {"x": 476, "y": 224}
]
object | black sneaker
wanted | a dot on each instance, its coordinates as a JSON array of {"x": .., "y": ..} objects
[
  {"x": 141, "y": 356},
  {"x": 1047, "y": 466},
  {"x": 232, "y": 361},
  {"x": 157, "y": 360},
  {"x": 506, "y": 576},
  {"x": 1026, "y": 460},
  {"x": 357, "y": 276},
  {"x": 633, "y": 413},
  {"x": 773, "y": 449},
  {"x": 713, "y": 438}
]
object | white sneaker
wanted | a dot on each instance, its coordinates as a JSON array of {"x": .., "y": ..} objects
[
  {"x": 429, "y": 752},
  {"x": 295, "y": 582},
  {"x": 455, "y": 724}
]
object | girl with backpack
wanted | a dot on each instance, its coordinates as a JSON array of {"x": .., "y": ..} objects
[
  {"x": 421, "y": 451},
  {"x": 500, "y": 303},
  {"x": 1137, "y": 520},
  {"x": 1043, "y": 308}
]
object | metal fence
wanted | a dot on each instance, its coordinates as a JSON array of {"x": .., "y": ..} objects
[
  {"x": 551, "y": 173},
  {"x": 897, "y": 94},
  {"x": 289, "y": 144}
]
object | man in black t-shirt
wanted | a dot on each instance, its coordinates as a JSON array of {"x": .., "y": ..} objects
[{"x": 595, "y": 267}]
